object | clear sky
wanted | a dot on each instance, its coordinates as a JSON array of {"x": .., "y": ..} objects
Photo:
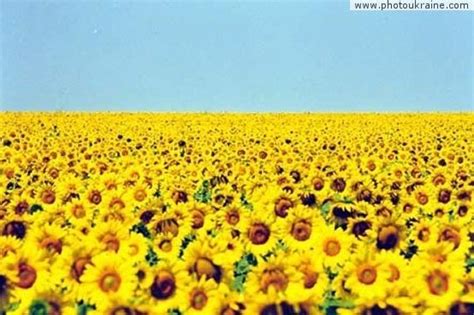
[{"x": 232, "y": 56}]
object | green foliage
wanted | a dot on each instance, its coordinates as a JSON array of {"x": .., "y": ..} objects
[
  {"x": 157, "y": 193},
  {"x": 174, "y": 311},
  {"x": 203, "y": 194},
  {"x": 241, "y": 269},
  {"x": 410, "y": 251},
  {"x": 38, "y": 307},
  {"x": 35, "y": 208},
  {"x": 245, "y": 203},
  {"x": 325, "y": 209},
  {"x": 83, "y": 308},
  {"x": 186, "y": 241},
  {"x": 142, "y": 229},
  {"x": 469, "y": 264},
  {"x": 151, "y": 257},
  {"x": 331, "y": 304}
]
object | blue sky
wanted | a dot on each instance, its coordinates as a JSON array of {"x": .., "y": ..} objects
[{"x": 232, "y": 56}]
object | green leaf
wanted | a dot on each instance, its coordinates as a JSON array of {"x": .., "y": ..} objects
[
  {"x": 151, "y": 257},
  {"x": 469, "y": 264},
  {"x": 35, "y": 208},
  {"x": 38, "y": 307},
  {"x": 142, "y": 229},
  {"x": 241, "y": 269},
  {"x": 186, "y": 241},
  {"x": 203, "y": 194},
  {"x": 325, "y": 209},
  {"x": 245, "y": 203},
  {"x": 331, "y": 304},
  {"x": 157, "y": 193},
  {"x": 83, "y": 308}
]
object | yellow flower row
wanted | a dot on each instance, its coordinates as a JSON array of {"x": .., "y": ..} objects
[{"x": 236, "y": 214}]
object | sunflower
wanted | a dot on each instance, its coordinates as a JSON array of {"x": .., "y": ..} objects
[
  {"x": 111, "y": 235},
  {"x": 50, "y": 238},
  {"x": 200, "y": 215},
  {"x": 400, "y": 271},
  {"x": 438, "y": 285},
  {"x": 454, "y": 234},
  {"x": 389, "y": 305},
  {"x": 273, "y": 305},
  {"x": 277, "y": 279},
  {"x": 366, "y": 276},
  {"x": 300, "y": 228},
  {"x": 314, "y": 276},
  {"x": 280, "y": 201},
  {"x": 121, "y": 306},
  {"x": 68, "y": 268},
  {"x": 174, "y": 220},
  {"x": 334, "y": 246},
  {"x": 167, "y": 246},
  {"x": 201, "y": 297},
  {"x": 164, "y": 285},
  {"x": 134, "y": 248},
  {"x": 9, "y": 244},
  {"x": 232, "y": 217},
  {"x": 107, "y": 277},
  {"x": 261, "y": 234},
  {"x": 231, "y": 303},
  {"x": 68, "y": 187},
  {"x": 46, "y": 301},
  {"x": 205, "y": 258},
  {"x": 77, "y": 211},
  {"x": 27, "y": 270}
]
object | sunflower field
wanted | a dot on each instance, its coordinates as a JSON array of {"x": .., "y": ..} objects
[{"x": 134, "y": 214}]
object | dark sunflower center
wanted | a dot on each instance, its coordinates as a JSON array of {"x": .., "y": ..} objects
[
  {"x": 95, "y": 197},
  {"x": 78, "y": 267},
  {"x": 179, "y": 196},
  {"x": 359, "y": 228},
  {"x": 232, "y": 217},
  {"x": 422, "y": 198},
  {"x": 387, "y": 310},
  {"x": 21, "y": 207},
  {"x": 197, "y": 219},
  {"x": 15, "y": 228},
  {"x": 394, "y": 273},
  {"x": 139, "y": 195},
  {"x": 338, "y": 184},
  {"x": 205, "y": 267},
  {"x": 163, "y": 286},
  {"x": 444, "y": 196},
  {"x": 275, "y": 278},
  {"x": 450, "y": 235},
  {"x": 122, "y": 310},
  {"x": 168, "y": 226},
  {"x": 438, "y": 282},
  {"x": 310, "y": 276},
  {"x": 111, "y": 242},
  {"x": 110, "y": 282},
  {"x": 198, "y": 299},
  {"x": 51, "y": 244},
  {"x": 387, "y": 237},
  {"x": 281, "y": 207},
  {"x": 332, "y": 247},
  {"x": 166, "y": 246},
  {"x": 301, "y": 230},
  {"x": 366, "y": 274},
  {"x": 259, "y": 234},
  {"x": 26, "y": 275},
  {"x": 318, "y": 183},
  {"x": 48, "y": 196}
]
